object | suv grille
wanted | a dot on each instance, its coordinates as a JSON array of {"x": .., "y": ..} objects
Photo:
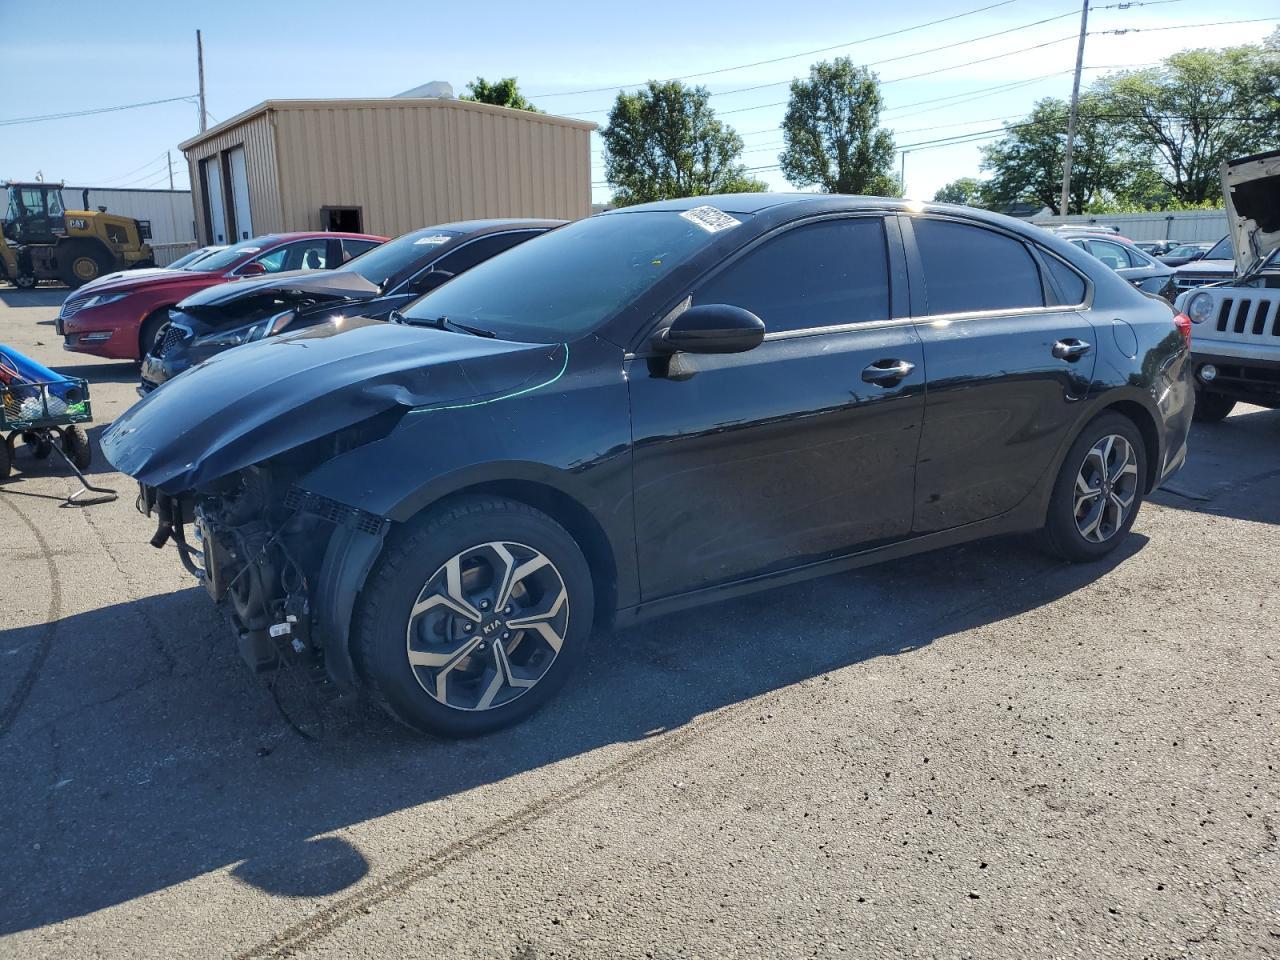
[
  {"x": 1186, "y": 281},
  {"x": 1249, "y": 314}
]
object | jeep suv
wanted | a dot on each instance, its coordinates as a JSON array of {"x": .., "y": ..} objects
[{"x": 1236, "y": 341}]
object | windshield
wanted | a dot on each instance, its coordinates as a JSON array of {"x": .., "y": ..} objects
[
  {"x": 391, "y": 259},
  {"x": 225, "y": 258},
  {"x": 1221, "y": 251},
  {"x": 1188, "y": 250},
  {"x": 564, "y": 283}
]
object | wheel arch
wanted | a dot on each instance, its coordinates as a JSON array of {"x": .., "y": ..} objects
[
  {"x": 1145, "y": 421},
  {"x": 163, "y": 313}
]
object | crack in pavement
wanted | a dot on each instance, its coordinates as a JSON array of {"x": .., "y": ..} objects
[{"x": 11, "y": 710}]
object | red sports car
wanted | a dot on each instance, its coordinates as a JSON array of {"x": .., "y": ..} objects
[{"x": 118, "y": 316}]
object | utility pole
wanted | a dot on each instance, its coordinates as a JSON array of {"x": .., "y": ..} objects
[
  {"x": 169, "y": 156},
  {"x": 902, "y": 173},
  {"x": 200, "y": 73},
  {"x": 1065, "y": 205}
]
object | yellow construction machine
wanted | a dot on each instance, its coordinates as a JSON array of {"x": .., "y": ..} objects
[{"x": 42, "y": 240}]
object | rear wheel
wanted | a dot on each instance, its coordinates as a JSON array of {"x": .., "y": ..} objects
[
  {"x": 1212, "y": 407},
  {"x": 474, "y": 618},
  {"x": 75, "y": 444},
  {"x": 1098, "y": 491},
  {"x": 6, "y": 458},
  {"x": 80, "y": 261}
]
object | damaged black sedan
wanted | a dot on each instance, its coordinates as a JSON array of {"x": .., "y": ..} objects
[
  {"x": 373, "y": 284},
  {"x": 649, "y": 409}
]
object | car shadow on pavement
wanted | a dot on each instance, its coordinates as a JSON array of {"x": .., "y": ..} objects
[
  {"x": 39, "y": 297},
  {"x": 1233, "y": 469},
  {"x": 115, "y": 371},
  {"x": 143, "y": 754},
  {"x": 26, "y": 464}
]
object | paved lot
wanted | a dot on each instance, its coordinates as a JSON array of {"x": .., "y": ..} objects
[{"x": 978, "y": 753}]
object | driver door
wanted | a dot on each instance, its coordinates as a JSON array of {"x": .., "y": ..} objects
[{"x": 750, "y": 463}]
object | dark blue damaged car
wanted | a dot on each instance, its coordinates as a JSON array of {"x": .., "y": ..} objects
[{"x": 653, "y": 408}]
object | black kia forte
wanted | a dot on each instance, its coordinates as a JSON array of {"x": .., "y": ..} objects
[
  {"x": 653, "y": 408},
  {"x": 373, "y": 284}
]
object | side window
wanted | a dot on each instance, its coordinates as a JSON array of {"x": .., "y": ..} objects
[
  {"x": 303, "y": 255},
  {"x": 817, "y": 275},
  {"x": 273, "y": 262},
  {"x": 968, "y": 268},
  {"x": 1112, "y": 254},
  {"x": 1069, "y": 282},
  {"x": 353, "y": 248},
  {"x": 478, "y": 251}
]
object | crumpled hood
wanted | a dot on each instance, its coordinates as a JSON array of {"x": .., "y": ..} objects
[
  {"x": 1251, "y": 190},
  {"x": 346, "y": 284},
  {"x": 265, "y": 398}
]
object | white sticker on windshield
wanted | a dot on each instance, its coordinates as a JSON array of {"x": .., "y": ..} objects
[
  {"x": 710, "y": 219},
  {"x": 434, "y": 240},
  {"x": 249, "y": 249}
]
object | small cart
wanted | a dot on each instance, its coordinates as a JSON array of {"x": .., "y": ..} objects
[{"x": 44, "y": 415}]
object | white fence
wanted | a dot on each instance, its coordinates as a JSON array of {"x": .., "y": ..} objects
[{"x": 1153, "y": 225}]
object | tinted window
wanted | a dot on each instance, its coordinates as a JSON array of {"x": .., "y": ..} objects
[
  {"x": 818, "y": 275},
  {"x": 568, "y": 281},
  {"x": 389, "y": 260},
  {"x": 1222, "y": 250},
  {"x": 303, "y": 255},
  {"x": 1069, "y": 282},
  {"x": 968, "y": 268},
  {"x": 478, "y": 251},
  {"x": 353, "y": 248}
]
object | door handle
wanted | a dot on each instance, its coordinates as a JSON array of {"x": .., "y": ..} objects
[
  {"x": 1071, "y": 349},
  {"x": 887, "y": 372}
]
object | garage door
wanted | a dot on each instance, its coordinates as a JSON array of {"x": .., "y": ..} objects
[{"x": 240, "y": 193}]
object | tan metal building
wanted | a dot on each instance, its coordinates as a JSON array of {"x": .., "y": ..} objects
[{"x": 384, "y": 166}]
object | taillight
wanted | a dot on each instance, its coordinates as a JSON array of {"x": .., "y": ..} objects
[{"x": 1183, "y": 323}]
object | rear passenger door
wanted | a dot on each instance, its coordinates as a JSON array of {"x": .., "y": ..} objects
[{"x": 1008, "y": 359}]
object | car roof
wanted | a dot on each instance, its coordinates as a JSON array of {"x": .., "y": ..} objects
[
  {"x": 493, "y": 223},
  {"x": 315, "y": 234}
]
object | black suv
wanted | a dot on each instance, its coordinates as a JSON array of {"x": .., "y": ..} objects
[{"x": 652, "y": 408}]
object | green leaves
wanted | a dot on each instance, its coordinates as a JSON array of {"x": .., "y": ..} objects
[
  {"x": 832, "y": 134},
  {"x": 665, "y": 141},
  {"x": 500, "y": 93}
]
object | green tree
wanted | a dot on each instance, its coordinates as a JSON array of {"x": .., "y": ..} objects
[
  {"x": 1026, "y": 163},
  {"x": 665, "y": 141},
  {"x": 832, "y": 132},
  {"x": 969, "y": 191},
  {"x": 500, "y": 93},
  {"x": 1199, "y": 108}
]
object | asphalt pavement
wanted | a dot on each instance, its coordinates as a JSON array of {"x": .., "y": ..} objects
[{"x": 982, "y": 752}]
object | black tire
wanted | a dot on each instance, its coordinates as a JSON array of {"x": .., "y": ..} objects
[
  {"x": 1212, "y": 407},
  {"x": 80, "y": 261},
  {"x": 75, "y": 444},
  {"x": 40, "y": 447},
  {"x": 1061, "y": 533},
  {"x": 6, "y": 459},
  {"x": 382, "y": 626},
  {"x": 149, "y": 330},
  {"x": 25, "y": 282}
]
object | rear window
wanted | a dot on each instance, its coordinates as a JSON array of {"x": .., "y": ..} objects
[
  {"x": 967, "y": 269},
  {"x": 1069, "y": 282}
]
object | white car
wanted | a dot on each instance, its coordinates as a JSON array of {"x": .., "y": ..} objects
[
  {"x": 1235, "y": 340},
  {"x": 1216, "y": 265}
]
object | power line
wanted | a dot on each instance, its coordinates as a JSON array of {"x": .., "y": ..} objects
[
  {"x": 1180, "y": 26},
  {"x": 792, "y": 56},
  {"x": 86, "y": 113},
  {"x": 150, "y": 163}
]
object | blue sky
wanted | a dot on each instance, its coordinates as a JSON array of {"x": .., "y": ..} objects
[{"x": 90, "y": 55}]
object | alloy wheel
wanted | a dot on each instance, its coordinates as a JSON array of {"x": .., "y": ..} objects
[
  {"x": 1106, "y": 488},
  {"x": 487, "y": 625}
]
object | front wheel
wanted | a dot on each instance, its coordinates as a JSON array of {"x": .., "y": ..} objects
[
  {"x": 1098, "y": 491},
  {"x": 474, "y": 617}
]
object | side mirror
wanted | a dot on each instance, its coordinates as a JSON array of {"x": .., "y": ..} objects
[
  {"x": 252, "y": 269},
  {"x": 711, "y": 328},
  {"x": 428, "y": 281}
]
